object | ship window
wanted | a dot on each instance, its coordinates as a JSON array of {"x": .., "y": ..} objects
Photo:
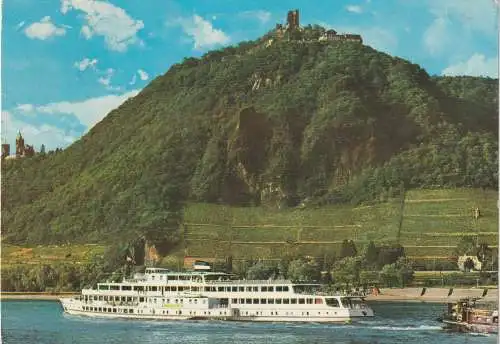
[
  {"x": 105, "y": 298},
  {"x": 242, "y": 301},
  {"x": 263, "y": 288},
  {"x": 129, "y": 299},
  {"x": 207, "y": 288},
  {"x": 332, "y": 302},
  {"x": 95, "y": 297},
  {"x": 161, "y": 277},
  {"x": 293, "y": 301},
  {"x": 278, "y": 301},
  {"x": 104, "y": 287},
  {"x": 255, "y": 288},
  {"x": 141, "y": 299},
  {"x": 131, "y": 311},
  {"x": 195, "y": 300},
  {"x": 180, "y": 288},
  {"x": 286, "y": 301},
  {"x": 309, "y": 301},
  {"x": 255, "y": 301},
  {"x": 213, "y": 289},
  {"x": 195, "y": 288},
  {"x": 126, "y": 287},
  {"x": 279, "y": 288},
  {"x": 270, "y": 301},
  {"x": 125, "y": 310},
  {"x": 176, "y": 300},
  {"x": 263, "y": 301},
  {"x": 228, "y": 289},
  {"x": 173, "y": 278},
  {"x": 114, "y": 310},
  {"x": 248, "y": 301},
  {"x": 174, "y": 288},
  {"x": 318, "y": 301},
  {"x": 220, "y": 289},
  {"x": 234, "y": 289},
  {"x": 153, "y": 277},
  {"x": 241, "y": 288},
  {"x": 270, "y": 288},
  {"x": 100, "y": 298},
  {"x": 234, "y": 300},
  {"x": 100, "y": 309},
  {"x": 154, "y": 288},
  {"x": 114, "y": 287},
  {"x": 285, "y": 288},
  {"x": 301, "y": 301},
  {"x": 249, "y": 288}
]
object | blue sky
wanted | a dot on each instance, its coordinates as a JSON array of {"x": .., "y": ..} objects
[{"x": 67, "y": 63}]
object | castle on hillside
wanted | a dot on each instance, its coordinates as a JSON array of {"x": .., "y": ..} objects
[
  {"x": 294, "y": 31},
  {"x": 22, "y": 149}
]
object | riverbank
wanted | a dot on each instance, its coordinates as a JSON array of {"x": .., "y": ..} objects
[
  {"x": 435, "y": 295},
  {"x": 431, "y": 295},
  {"x": 34, "y": 296}
]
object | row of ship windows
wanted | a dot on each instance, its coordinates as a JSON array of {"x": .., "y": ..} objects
[
  {"x": 209, "y": 289},
  {"x": 131, "y": 311},
  {"x": 108, "y": 310},
  {"x": 280, "y": 301}
]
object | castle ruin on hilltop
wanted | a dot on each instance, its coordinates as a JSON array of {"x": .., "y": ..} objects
[
  {"x": 22, "y": 149},
  {"x": 292, "y": 31}
]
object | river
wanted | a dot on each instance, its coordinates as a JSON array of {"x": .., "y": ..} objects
[{"x": 42, "y": 322}]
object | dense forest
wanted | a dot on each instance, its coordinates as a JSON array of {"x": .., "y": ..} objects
[{"x": 257, "y": 125}]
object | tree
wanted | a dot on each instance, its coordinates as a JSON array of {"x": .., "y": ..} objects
[
  {"x": 348, "y": 249},
  {"x": 261, "y": 271},
  {"x": 42, "y": 149},
  {"x": 347, "y": 271},
  {"x": 302, "y": 270},
  {"x": 468, "y": 264},
  {"x": 390, "y": 254},
  {"x": 370, "y": 255}
]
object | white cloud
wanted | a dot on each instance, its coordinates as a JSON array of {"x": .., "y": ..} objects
[
  {"x": 261, "y": 15},
  {"x": 456, "y": 22},
  {"x": 478, "y": 15},
  {"x": 89, "y": 112},
  {"x": 354, "y": 9},
  {"x": 436, "y": 36},
  {"x": 44, "y": 29},
  {"x": 36, "y": 135},
  {"x": 203, "y": 33},
  {"x": 86, "y": 32},
  {"x": 476, "y": 65},
  {"x": 106, "y": 79},
  {"x": 134, "y": 79},
  {"x": 104, "y": 19},
  {"x": 143, "y": 75},
  {"x": 25, "y": 107},
  {"x": 85, "y": 63}
]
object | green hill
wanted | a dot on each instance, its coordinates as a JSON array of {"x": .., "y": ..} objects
[{"x": 296, "y": 122}]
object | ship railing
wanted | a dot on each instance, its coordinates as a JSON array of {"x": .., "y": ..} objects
[{"x": 248, "y": 282}]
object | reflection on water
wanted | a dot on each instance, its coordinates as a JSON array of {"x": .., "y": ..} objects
[{"x": 42, "y": 322}]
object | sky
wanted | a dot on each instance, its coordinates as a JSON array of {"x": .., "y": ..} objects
[{"x": 66, "y": 63}]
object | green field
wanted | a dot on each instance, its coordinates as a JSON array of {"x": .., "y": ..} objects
[{"x": 434, "y": 220}]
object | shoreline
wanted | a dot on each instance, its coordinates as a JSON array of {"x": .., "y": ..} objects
[{"x": 35, "y": 296}]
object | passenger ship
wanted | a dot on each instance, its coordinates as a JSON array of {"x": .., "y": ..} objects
[{"x": 198, "y": 295}]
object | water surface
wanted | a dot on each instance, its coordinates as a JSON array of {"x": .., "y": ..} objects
[{"x": 42, "y": 322}]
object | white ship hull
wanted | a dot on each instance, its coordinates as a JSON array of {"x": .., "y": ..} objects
[
  {"x": 75, "y": 307},
  {"x": 164, "y": 295}
]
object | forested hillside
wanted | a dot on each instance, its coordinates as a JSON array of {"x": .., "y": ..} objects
[{"x": 294, "y": 122}]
